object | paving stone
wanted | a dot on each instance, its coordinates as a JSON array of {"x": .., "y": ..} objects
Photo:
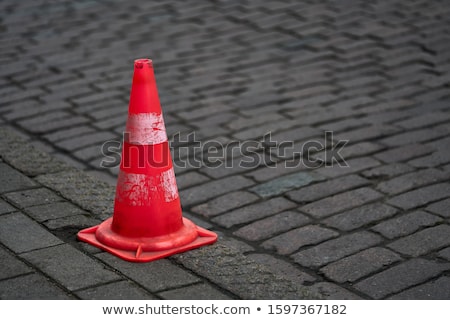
[
  {"x": 286, "y": 269},
  {"x": 403, "y": 153},
  {"x": 293, "y": 240},
  {"x": 359, "y": 265},
  {"x": 367, "y": 133},
  {"x": 411, "y": 181},
  {"x": 387, "y": 171},
  {"x": 71, "y": 268},
  {"x": 406, "y": 224},
  {"x": 441, "y": 208},
  {"x": 26, "y": 158},
  {"x": 445, "y": 253},
  {"x": 121, "y": 290},
  {"x": 327, "y": 188},
  {"x": 351, "y": 166},
  {"x": 218, "y": 264},
  {"x": 424, "y": 120},
  {"x": 5, "y": 207},
  {"x": 78, "y": 221},
  {"x": 399, "y": 277},
  {"x": 356, "y": 150},
  {"x": 423, "y": 242},
  {"x": 53, "y": 211},
  {"x": 32, "y": 197},
  {"x": 416, "y": 136},
  {"x": 11, "y": 266},
  {"x": 285, "y": 183},
  {"x": 253, "y": 212},
  {"x": 438, "y": 289},
  {"x": 46, "y": 123},
  {"x": 90, "y": 152},
  {"x": 190, "y": 179},
  {"x": 68, "y": 133},
  {"x": 83, "y": 190},
  {"x": 30, "y": 287},
  {"x": 13, "y": 180},
  {"x": 340, "y": 202},
  {"x": 160, "y": 275},
  {"x": 272, "y": 172},
  {"x": 420, "y": 197},
  {"x": 26, "y": 234},
  {"x": 331, "y": 291},
  {"x": 224, "y": 203},
  {"x": 78, "y": 142},
  {"x": 440, "y": 157},
  {"x": 206, "y": 191},
  {"x": 232, "y": 166},
  {"x": 195, "y": 292},
  {"x": 335, "y": 249},
  {"x": 268, "y": 227},
  {"x": 361, "y": 216}
]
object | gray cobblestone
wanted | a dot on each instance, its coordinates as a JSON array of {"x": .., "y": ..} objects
[
  {"x": 32, "y": 197},
  {"x": 335, "y": 249},
  {"x": 438, "y": 289},
  {"x": 30, "y": 286},
  {"x": 5, "y": 207},
  {"x": 404, "y": 153},
  {"x": 28, "y": 235},
  {"x": 121, "y": 290},
  {"x": 52, "y": 211},
  {"x": 445, "y": 253},
  {"x": 327, "y": 188},
  {"x": 70, "y": 267},
  {"x": 157, "y": 276},
  {"x": 268, "y": 227},
  {"x": 253, "y": 212},
  {"x": 332, "y": 291},
  {"x": 340, "y": 202},
  {"x": 293, "y": 240},
  {"x": 406, "y": 224},
  {"x": 195, "y": 292},
  {"x": 440, "y": 208},
  {"x": 416, "y": 136},
  {"x": 361, "y": 216},
  {"x": 225, "y": 203},
  {"x": 351, "y": 166},
  {"x": 213, "y": 189},
  {"x": 13, "y": 180},
  {"x": 85, "y": 140},
  {"x": 11, "y": 266},
  {"x": 282, "y": 267},
  {"x": 419, "y": 197},
  {"x": 411, "y": 181},
  {"x": 399, "y": 277},
  {"x": 360, "y": 265},
  {"x": 283, "y": 184},
  {"x": 423, "y": 242},
  {"x": 387, "y": 171}
]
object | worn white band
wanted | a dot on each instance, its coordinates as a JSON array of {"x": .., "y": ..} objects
[
  {"x": 145, "y": 129},
  {"x": 142, "y": 190}
]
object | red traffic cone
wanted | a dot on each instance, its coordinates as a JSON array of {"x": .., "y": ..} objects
[{"x": 147, "y": 223}]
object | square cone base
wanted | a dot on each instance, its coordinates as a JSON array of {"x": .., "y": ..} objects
[{"x": 204, "y": 237}]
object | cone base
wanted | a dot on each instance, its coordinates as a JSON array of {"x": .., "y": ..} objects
[{"x": 146, "y": 249}]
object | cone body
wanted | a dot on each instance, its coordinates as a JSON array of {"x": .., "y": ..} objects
[{"x": 147, "y": 222}]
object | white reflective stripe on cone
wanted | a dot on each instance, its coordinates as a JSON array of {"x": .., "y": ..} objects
[
  {"x": 140, "y": 189},
  {"x": 145, "y": 129}
]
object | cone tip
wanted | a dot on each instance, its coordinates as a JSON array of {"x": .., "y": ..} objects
[{"x": 140, "y": 63}]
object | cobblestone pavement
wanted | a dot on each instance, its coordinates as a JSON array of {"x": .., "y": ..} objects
[{"x": 374, "y": 73}]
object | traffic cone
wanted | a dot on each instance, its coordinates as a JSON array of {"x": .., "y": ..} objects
[{"x": 147, "y": 223}]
